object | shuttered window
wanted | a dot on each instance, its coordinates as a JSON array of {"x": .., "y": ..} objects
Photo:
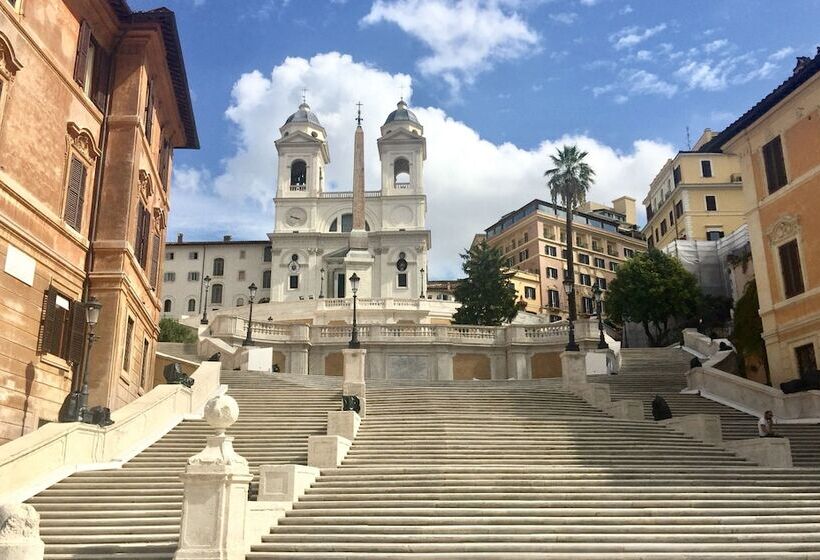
[
  {"x": 143, "y": 230},
  {"x": 75, "y": 196},
  {"x": 149, "y": 111},
  {"x": 791, "y": 269},
  {"x": 62, "y": 330},
  {"x": 81, "y": 60},
  {"x": 129, "y": 335},
  {"x": 155, "y": 262},
  {"x": 775, "y": 165},
  {"x": 164, "y": 162},
  {"x": 676, "y": 174},
  {"x": 99, "y": 86}
]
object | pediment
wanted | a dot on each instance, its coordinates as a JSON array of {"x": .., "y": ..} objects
[{"x": 298, "y": 137}]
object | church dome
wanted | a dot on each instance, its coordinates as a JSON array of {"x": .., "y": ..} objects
[
  {"x": 402, "y": 113},
  {"x": 304, "y": 114}
]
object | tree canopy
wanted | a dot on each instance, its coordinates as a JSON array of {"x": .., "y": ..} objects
[
  {"x": 486, "y": 295},
  {"x": 651, "y": 289},
  {"x": 172, "y": 331},
  {"x": 570, "y": 178}
]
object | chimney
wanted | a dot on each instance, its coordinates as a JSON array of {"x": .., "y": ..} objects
[
  {"x": 626, "y": 206},
  {"x": 179, "y": 238},
  {"x": 226, "y": 238}
]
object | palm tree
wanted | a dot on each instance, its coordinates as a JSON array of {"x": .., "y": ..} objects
[{"x": 569, "y": 180}]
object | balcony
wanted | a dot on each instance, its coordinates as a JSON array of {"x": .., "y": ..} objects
[{"x": 298, "y": 188}]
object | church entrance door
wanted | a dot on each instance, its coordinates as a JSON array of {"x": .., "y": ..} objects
[{"x": 340, "y": 284}]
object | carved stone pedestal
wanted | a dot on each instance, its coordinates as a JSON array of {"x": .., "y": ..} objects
[{"x": 20, "y": 533}]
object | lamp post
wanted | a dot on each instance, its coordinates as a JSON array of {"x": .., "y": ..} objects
[
  {"x": 354, "y": 333},
  {"x": 421, "y": 285},
  {"x": 92, "y": 315},
  {"x": 251, "y": 294},
  {"x": 207, "y": 282},
  {"x": 596, "y": 292},
  {"x": 569, "y": 288},
  {"x": 322, "y": 284}
]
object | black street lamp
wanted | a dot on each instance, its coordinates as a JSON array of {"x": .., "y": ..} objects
[
  {"x": 569, "y": 288},
  {"x": 421, "y": 285},
  {"x": 596, "y": 292},
  {"x": 251, "y": 294},
  {"x": 92, "y": 316},
  {"x": 322, "y": 285},
  {"x": 354, "y": 333},
  {"x": 207, "y": 282}
]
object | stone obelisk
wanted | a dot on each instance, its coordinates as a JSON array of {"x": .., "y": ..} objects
[{"x": 358, "y": 258}]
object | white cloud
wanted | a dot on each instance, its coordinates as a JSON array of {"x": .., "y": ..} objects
[
  {"x": 567, "y": 18},
  {"x": 466, "y": 37},
  {"x": 705, "y": 75},
  {"x": 626, "y": 10},
  {"x": 589, "y": 2},
  {"x": 628, "y": 37},
  {"x": 715, "y": 45},
  {"x": 643, "y": 55},
  {"x": 470, "y": 181},
  {"x": 643, "y": 82},
  {"x": 781, "y": 54}
]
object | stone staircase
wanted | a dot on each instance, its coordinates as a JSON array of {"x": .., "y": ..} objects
[
  {"x": 646, "y": 372},
  {"x": 134, "y": 512},
  {"x": 483, "y": 470}
]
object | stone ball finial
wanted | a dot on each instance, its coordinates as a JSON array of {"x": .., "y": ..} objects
[{"x": 221, "y": 412}]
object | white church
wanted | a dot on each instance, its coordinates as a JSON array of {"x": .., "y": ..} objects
[{"x": 321, "y": 237}]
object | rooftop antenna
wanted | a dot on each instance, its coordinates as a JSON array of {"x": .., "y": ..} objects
[
  {"x": 688, "y": 140},
  {"x": 359, "y": 113}
]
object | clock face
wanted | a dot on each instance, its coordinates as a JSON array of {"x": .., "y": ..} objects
[{"x": 296, "y": 217}]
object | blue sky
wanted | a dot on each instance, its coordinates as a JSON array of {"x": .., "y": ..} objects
[{"x": 497, "y": 84}]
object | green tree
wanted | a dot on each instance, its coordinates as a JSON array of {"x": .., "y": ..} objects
[
  {"x": 569, "y": 179},
  {"x": 748, "y": 332},
  {"x": 651, "y": 289},
  {"x": 172, "y": 331},
  {"x": 487, "y": 296}
]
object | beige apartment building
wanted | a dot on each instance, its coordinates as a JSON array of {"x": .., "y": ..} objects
[
  {"x": 696, "y": 196},
  {"x": 533, "y": 240},
  {"x": 93, "y": 101}
]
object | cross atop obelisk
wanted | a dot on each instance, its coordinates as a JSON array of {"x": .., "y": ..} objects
[{"x": 358, "y": 173}]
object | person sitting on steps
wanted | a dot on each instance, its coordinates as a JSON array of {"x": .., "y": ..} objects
[{"x": 765, "y": 426}]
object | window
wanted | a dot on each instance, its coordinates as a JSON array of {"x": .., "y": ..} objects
[
  {"x": 63, "y": 327},
  {"x": 714, "y": 235},
  {"x": 402, "y": 279},
  {"x": 240, "y": 275},
  {"x": 129, "y": 334},
  {"x": 585, "y": 279},
  {"x": 267, "y": 254},
  {"x": 143, "y": 230},
  {"x": 551, "y": 250},
  {"x": 166, "y": 306},
  {"x": 676, "y": 175},
  {"x": 525, "y": 238},
  {"x": 583, "y": 259},
  {"x": 563, "y": 253},
  {"x": 148, "y": 116},
  {"x": 193, "y": 255},
  {"x": 613, "y": 266},
  {"x": 600, "y": 263},
  {"x": 529, "y": 292},
  {"x": 242, "y": 253},
  {"x": 401, "y": 173},
  {"x": 679, "y": 209},
  {"x": 266, "y": 279},
  {"x": 657, "y": 237},
  {"x": 191, "y": 305},
  {"x": 169, "y": 276},
  {"x": 216, "y": 293},
  {"x": 156, "y": 243},
  {"x": 705, "y": 168},
  {"x": 791, "y": 269},
  {"x": 91, "y": 66},
  {"x": 806, "y": 359},
  {"x": 601, "y": 282},
  {"x": 587, "y": 305},
  {"x": 553, "y": 299},
  {"x": 650, "y": 242},
  {"x": 219, "y": 267},
  {"x": 555, "y": 318},
  {"x": 775, "y": 165},
  {"x": 298, "y": 173},
  {"x": 523, "y": 255},
  {"x": 169, "y": 256},
  {"x": 75, "y": 194},
  {"x": 293, "y": 283},
  {"x": 663, "y": 227},
  {"x": 193, "y": 276},
  {"x": 144, "y": 368},
  {"x": 711, "y": 203},
  {"x": 671, "y": 218},
  {"x": 552, "y": 272}
]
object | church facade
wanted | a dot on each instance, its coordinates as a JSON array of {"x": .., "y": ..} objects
[{"x": 321, "y": 237}]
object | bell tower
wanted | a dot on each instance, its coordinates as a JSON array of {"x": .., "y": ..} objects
[
  {"x": 402, "y": 151},
  {"x": 303, "y": 155}
]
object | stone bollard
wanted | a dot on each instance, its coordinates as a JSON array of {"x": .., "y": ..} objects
[
  {"x": 573, "y": 369},
  {"x": 353, "y": 382},
  {"x": 216, "y": 493},
  {"x": 20, "y": 533}
]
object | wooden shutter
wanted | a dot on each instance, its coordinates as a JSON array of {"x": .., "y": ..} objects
[
  {"x": 155, "y": 262},
  {"x": 45, "y": 343},
  {"x": 76, "y": 341},
  {"x": 81, "y": 61},
  {"x": 149, "y": 111},
  {"x": 75, "y": 195},
  {"x": 102, "y": 66},
  {"x": 790, "y": 267},
  {"x": 774, "y": 164}
]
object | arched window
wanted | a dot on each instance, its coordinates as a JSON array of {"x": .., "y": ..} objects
[
  {"x": 347, "y": 224},
  {"x": 401, "y": 173},
  {"x": 298, "y": 172},
  {"x": 216, "y": 293},
  {"x": 219, "y": 267},
  {"x": 166, "y": 306},
  {"x": 240, "y": 301},
  {"x": 265, "y": 279},
  {"x": 191, "y": 305}
]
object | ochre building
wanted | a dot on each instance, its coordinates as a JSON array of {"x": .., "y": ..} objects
[
  {"x": 93, "y": 101},
  {"x": 778, "y": 142}
]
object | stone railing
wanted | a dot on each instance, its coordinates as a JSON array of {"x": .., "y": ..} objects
[
  {"x": 38, "y": 459},
  {"x": 702, "y": 344}
]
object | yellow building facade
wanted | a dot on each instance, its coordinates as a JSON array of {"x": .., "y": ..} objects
[
  {"x": 778, "y": 143},
  {"x": 695, "y": 196}
]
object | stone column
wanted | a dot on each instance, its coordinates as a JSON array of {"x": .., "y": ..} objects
[
  {"x": 353, "y": 382},
  {"x": 20, "y": 533},
  {"x": 216, "y": 493}
]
